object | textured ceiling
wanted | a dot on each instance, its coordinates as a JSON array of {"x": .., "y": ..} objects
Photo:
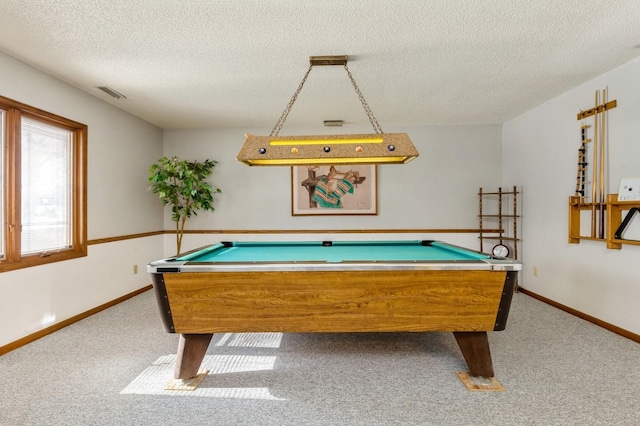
[{"x": 207, "y": 63}]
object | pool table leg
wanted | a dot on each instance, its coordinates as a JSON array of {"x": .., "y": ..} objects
[
  {"x": 475, "y": 349},
  {"x": 191, "y": 350}
]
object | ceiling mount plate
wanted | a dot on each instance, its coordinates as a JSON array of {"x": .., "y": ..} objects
[{"x": 328, "y": 60}]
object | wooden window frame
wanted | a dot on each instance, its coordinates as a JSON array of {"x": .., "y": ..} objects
[{"x": 13, "y": 259}]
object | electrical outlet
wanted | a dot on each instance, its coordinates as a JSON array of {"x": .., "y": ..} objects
[
  {"x": 535, "y": 271},
  {"x": 135, "y": 269}
]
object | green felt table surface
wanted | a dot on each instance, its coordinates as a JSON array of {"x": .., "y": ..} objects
[{"x": 336, "y": 251}]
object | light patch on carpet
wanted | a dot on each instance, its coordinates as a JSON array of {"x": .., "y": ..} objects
[
  {"x": 250, "y": 340},
  {"x": 486, "y": 384},
  {"x": 153, "y": 379}
]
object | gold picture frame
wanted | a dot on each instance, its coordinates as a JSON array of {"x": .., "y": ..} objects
[{"x": 334, "y": 190}]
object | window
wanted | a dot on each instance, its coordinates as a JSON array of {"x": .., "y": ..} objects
[{"x": 43, "y": 187}]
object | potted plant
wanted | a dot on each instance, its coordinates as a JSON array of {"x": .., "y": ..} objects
[{"x": 182, "y": 184}]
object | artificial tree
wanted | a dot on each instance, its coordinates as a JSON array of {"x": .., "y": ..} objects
[{"x": 182, "y": 184}]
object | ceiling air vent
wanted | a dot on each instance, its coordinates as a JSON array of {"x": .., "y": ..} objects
[{"x": 109, "y": 91}]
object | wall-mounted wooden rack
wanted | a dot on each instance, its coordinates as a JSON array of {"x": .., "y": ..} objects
[
  {"x": 613, "y": 211},
  {"x": 601, "y": 108},
  {"x": 575, "y": 209},
  {"x": 614, "y": 219}
]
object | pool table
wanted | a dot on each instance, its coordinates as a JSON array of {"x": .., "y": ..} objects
[{"x": 334, "y": 286}]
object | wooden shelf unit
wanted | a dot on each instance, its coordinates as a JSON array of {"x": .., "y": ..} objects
[
  {"x": 613, "y": 218},
  {"x": 504, "y": 215}
]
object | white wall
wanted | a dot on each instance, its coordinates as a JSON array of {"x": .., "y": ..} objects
[
  {"x": 120, "y": 150},
  {"x": 540, "y": 154},
  {"x": 436, "y": 190}
]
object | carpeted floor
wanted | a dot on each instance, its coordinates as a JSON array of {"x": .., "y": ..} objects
[{"x": 111, "y": 368}]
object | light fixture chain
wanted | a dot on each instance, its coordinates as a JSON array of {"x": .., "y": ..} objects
[
  {"x": 372, "y": 118},
  {"x": 287, "y": 110}
]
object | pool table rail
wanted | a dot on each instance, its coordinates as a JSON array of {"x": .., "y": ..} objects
[{"x": 175, "y": 266}]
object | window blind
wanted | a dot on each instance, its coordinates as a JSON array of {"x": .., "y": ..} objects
[
  {"x": 46, "y": 187},
  {"x": 3, "y": 197}
]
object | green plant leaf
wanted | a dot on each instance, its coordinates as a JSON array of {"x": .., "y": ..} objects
[{"x": 182, "y": 184}]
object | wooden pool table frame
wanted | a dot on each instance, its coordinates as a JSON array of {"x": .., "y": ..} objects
[{"x": 459, "y": 299}]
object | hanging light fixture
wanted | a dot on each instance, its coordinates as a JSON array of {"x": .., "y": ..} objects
[{"x": 376, "y": 148}]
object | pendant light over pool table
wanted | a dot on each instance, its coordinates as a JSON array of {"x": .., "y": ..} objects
[{"x": 375, "y": 148}]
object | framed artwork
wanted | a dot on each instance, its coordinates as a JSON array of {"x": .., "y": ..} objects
[{"x": 334, "y": 190}]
